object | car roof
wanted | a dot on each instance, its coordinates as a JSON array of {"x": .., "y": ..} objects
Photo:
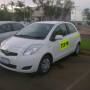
[
  {"x": 52, "y": 22},
  {"x": 4, "y": 22}
]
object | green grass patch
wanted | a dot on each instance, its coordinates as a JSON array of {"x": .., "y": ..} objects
[{"x": 85, "y": 44}]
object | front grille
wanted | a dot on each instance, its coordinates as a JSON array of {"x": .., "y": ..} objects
[{"x": 8, "y": 53}]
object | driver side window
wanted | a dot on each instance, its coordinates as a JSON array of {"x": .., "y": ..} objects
[{"x": 60, "y": 30}]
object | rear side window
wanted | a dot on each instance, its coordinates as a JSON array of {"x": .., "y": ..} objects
[
  {"x": 17, "y": 26},
  {"x": 71, "y": 28},
  {"x": 5, "y": 28}
]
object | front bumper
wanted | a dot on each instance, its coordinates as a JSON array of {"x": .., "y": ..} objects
[{"x": 23, "y": 64}]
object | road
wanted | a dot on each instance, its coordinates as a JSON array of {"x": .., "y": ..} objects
[{"x": 71, "y": 73}]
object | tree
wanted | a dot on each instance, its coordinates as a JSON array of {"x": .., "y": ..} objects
[
  {"x": 22, "y": 12},
  {"x": 28, "y": 13},
  {"x": 55, "y": 8},
  {"x": 12, "y": 5},
  {"x": 20, "y": 4},
  {"x": 19, "y": 14},
  {"x": 68, "y": 5},
  {"x": 19, "y": 10},
  {"x": 86, "y": 14},
  {"x": 51, "y": 8},
  {"x": 4, "y": 14}
]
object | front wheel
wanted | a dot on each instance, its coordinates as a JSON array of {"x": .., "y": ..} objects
[
  {"x": 45, "y": 65},
  {"x": 77, "y": 50}
]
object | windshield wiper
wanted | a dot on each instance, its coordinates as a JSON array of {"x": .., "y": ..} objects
[
  {"x": 31, "y": 37},
  {"x": 38, "y": 37},
  {"x": 24, "y": 36}
]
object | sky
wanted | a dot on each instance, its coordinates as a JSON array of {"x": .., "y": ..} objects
[
  {"x": 78, "y": 3},
  {"x": 82, "y": 3}
]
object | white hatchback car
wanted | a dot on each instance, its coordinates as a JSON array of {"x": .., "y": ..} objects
[{"x": 38, "y": 45}]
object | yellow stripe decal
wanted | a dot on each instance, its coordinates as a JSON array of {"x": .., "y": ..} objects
[{"x": 76, "y": 36}]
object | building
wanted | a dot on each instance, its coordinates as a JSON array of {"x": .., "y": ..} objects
[{"x": 77, "y": 15}]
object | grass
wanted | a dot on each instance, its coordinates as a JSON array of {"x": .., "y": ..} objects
[{"x": 85, "y": 44}]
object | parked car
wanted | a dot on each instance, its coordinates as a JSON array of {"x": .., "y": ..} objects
[
  {"x": 37, "y": 46},
  {"x": 9, "y": 28}
]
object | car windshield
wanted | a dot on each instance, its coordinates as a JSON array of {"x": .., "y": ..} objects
[{"x": 35, "y": 31}]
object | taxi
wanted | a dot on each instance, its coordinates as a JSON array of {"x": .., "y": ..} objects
[{"x": 37, "y": 46}]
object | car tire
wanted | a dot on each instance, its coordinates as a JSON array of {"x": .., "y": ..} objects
[
  {"x": 77, "y": 50},
  {"x": 45, "y": 65}
]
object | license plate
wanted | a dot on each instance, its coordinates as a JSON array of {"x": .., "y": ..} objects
[{"x": 4, "y": 60}]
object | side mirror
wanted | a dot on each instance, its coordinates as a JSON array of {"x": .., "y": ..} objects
[{"x": 58, "y": 37}]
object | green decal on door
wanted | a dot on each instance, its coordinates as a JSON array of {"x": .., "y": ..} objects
[{"x": 64, "y": 44}]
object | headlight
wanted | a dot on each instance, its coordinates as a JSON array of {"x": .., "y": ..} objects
[
  {"x": 2, "y": 44},
  {"x": 32, "y": 49}
]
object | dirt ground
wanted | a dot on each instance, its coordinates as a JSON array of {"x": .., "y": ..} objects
[
  {"x": 71, "y": 73},
  {"x": 84, "y": 30}
]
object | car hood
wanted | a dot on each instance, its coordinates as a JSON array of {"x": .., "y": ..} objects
[{"x": 17, "y": 44}]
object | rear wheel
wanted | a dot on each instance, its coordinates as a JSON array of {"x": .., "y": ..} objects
[
  {"x": 77, "y": 50},
  {"x": 45, "y": 65}
]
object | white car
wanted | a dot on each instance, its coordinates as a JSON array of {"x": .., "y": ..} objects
[
  {"x": 9, "y": 28},
  {"x": 39, "y": 45}
]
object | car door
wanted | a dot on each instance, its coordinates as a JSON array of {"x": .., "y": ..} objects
[
  {"x": 73, "y": 35},
  {"x": 60, "y": 47}
]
